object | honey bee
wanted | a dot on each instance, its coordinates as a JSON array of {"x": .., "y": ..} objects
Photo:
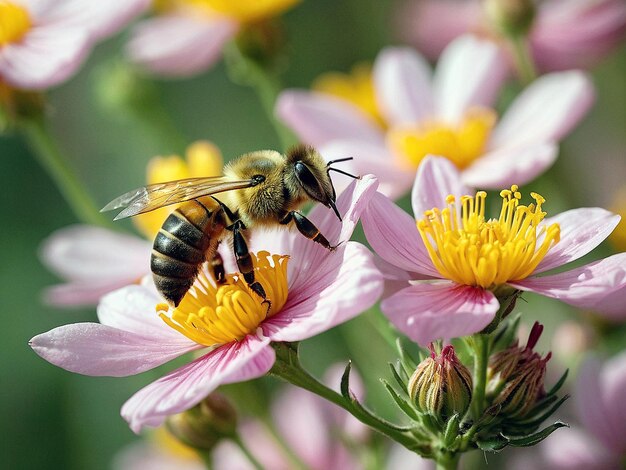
[{"x": 262, "y": 188}]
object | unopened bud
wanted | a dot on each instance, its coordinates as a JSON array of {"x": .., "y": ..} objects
[
  {"x": 441, "y": 385},
  {"x": 204, "y": 425},
  {"x": 516, "y": 377},
  {"x": 16, "y": 105},
  {"x": 510, "y": 17},
  {"x": 262, "y": 42}
]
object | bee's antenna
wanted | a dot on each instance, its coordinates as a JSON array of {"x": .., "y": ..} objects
[
  {"x": 345, "y": 173},
  {"x": 339, "y": 160}
]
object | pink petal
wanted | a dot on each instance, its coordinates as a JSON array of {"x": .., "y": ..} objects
[
  {"x": 133, "y": 309},
  {"x": 318, "y": 118},
  {"x": 427, "y": 311},
  {"x": 612, "y": 307},
  {"x": 470, "y": 73},
  {"x": 546, "y": 110},
  {"x": 432, "y": 24},
  {"x": 368, "y": 158},
  {"x": 47, "y": 56},
  {"x": 505, "y": 166},
  {"x": 592, "y": 407},
  {"x": 436, "y": 178},
  {"x": 100, "y": 350},
  {"x": 577, "y": 34},
  {"x": 581, "y": 231},
  {"x": 574, "y": 449},
  {"x": 79, "y": 294},
  {"x": 88, "y": 253},
  {"x": 614, "y": 384},
  {"x": 99, "y": 19},
  {"x": 351, "y": 287},
  {"x": 403, "y": 86},
  {"x": 593, "y": 286},
  {"x": 188, "y": 385},
  {"x": 193, "y": 44},
  {"x": 393, "y": 235}
]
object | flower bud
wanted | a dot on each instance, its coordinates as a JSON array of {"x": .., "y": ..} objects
[
  {"x": 441, "y": 385},
  {"x": 204, "y": 425},
  {"x": 18, "y": 104},
  {"x": 510, "y": 17},
  {"x": 516, "y": 377}
]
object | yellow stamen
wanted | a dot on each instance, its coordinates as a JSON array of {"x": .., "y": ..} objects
[
  {"x": 243, "y": 11},
  {"x": 470, "y": 250},
  {"x": 174, "y": 447},
  {"x": 202, "y": 159},
  {"x": 357, "y": 87},
  {"x": 14, "y": 23},
  {"x": 213, "y": 314},
  {"x": 461, "y": 144}
]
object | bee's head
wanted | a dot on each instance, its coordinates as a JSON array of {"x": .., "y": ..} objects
[{"x": 313, "y": 175}]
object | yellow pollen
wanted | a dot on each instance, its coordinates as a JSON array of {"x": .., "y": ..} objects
[
  {"x": 470, "y": 250},
  {"x": 14, "y": 23},
  {"x": 461, "y": 144},
  {"x": 357, "y": 88},
  {"x": 213, "y": 314},
  {"x": 243, "y": 11}
]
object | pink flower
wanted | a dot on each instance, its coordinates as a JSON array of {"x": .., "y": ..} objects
[
  {"x": 44, "y": 42},
  {"x": 317, "y": 290},
  {"x": 188, "y": 37},
  {"x": 566, "y": 33},
  {"x": 447, "y": 113},
  {"x": 454, "y": 261},
  {"x": 94, "y": 261}
]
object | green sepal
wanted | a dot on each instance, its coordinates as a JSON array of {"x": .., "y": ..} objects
[
  {"x": 399, "y": 380},
  {"x": 557, "y": 386},
  {"x": 406, "y": 360},
  {"x": 536, "y": 438},
  {"x": 451, "y": 432},
  {"x": 401, "y": 402},
  {"x": 533, "y": 423},
  {"x": 493, "y": 443},
  {"x": 505, "y": 335}
]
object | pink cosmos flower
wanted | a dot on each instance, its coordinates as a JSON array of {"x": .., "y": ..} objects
[
  {"x": 566, "y": 33},
  {"x": 448, "y": 113},
  {"x": 455, "y": 261},
  {"x": 315, "y": 291},
  {"x": 44, "y": 42},
  {"x": 188, "y": 36}
]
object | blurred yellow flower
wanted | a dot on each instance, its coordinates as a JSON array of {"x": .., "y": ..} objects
[
  {"x": 202, "y": 159},
  {"x": 618, "y": 237}
]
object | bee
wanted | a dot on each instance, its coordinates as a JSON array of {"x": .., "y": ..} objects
[{"x": 263, "y": 188}]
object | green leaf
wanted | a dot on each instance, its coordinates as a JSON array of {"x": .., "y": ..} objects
[
  {"x": 399, "y": 379},
  {"x": 557, "y": 386},
  {"x": 493, "y": 444},
  {"x": 536, "y": 421},
  {"x": 401, "y": 402},
  {"x": 505, "y": 336},
  {"x": 536, "y": 438},
  {"x": 408, "y": 363}
]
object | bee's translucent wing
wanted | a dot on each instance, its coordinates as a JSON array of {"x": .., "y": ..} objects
[{"x": 154, "y": 196}]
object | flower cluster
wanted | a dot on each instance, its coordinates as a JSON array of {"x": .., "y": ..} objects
[{"x": 421, "y": 211}]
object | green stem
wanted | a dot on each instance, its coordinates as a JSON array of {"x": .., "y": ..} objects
[
  {"x": 246, "y": 71},
  {"x": 293, "y": 458},
  {"x": 251, "y": 458},
  {"x": 288, "y": 368},
  {"x": 58, "y": 168},
  {"x": 207, "y": 458},
  {"x": 523, "y": 60},
  {"x": 481, "y": 360},
  {"x": 447, "y": 461}
]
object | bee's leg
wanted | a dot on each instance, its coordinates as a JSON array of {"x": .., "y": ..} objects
[
  {"x": 244, "y": 260},
  {"x": 217, "y": 265},
  {"x": 307, "y": 228}
]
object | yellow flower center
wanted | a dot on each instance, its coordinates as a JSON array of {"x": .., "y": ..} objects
[
  {"x": 357, "y": 88},
  {"x": 243, "y": 11},
  {"x": 202, "y": 159},
  {"x": 461, "y": 144},
  {"x": 14, "y": 23},
  {"x": 470, "y": 250},
  {"x": 618, "y": 236},
  {"x": 213, "y": 314},
  {"x": 172, "y": 446}
]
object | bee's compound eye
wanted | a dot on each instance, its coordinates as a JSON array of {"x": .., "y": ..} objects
[
  {"x": 309, "y": 182},
  {"x": 257, "y": 179}
]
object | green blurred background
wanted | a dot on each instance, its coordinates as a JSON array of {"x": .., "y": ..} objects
[{"x": 54, "y": 419}]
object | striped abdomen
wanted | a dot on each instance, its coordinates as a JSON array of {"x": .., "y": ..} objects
[{"x": 188, "y": 237}]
